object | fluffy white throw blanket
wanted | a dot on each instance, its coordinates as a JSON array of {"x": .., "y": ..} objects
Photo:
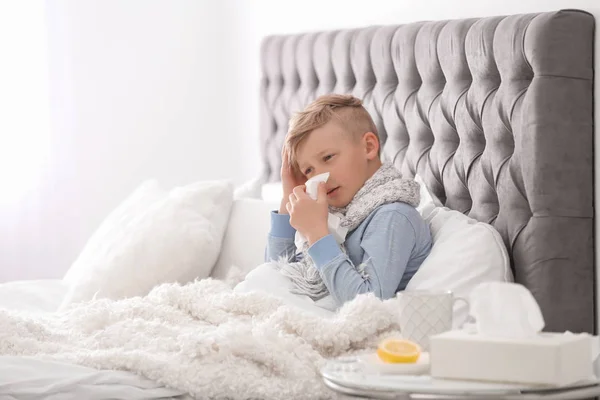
[{"x": 205, "y": 339}]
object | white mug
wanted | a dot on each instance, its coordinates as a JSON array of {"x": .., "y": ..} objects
[{"x": 424, "y": 313}]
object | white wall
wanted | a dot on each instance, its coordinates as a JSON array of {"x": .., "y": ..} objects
[
  {"x": 157, "y": 88},
  {"x": 140, "y": 89}
]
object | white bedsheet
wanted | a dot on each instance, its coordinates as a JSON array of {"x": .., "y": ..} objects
[{"x": 26, "y": 378}]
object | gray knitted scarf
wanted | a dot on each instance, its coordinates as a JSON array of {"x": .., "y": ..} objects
[{"x": 384, "y": 187}]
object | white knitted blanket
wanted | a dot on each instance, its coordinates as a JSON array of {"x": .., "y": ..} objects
[{"x": 205, "y": 339}]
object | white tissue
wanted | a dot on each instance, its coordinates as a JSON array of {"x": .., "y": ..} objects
[
  {"x": 503, "y": 309},
  {"x": 333, "y": 220},
  {"x": 312, "y": 185}
]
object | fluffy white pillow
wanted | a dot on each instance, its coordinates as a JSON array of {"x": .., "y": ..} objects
[
  {"x": 465, "y": 253},
  {"x": 151, "y": 238},
  {"x": 125, "y": 214}
]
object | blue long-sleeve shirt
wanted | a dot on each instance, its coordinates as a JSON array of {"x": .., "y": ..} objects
[{"x": 392, "y": 242}]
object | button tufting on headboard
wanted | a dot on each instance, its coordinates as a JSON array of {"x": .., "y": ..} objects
[{"x": 495, "y": 113}]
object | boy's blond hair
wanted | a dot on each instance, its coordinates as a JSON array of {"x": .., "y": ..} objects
[{"x": 346, "y": 109}]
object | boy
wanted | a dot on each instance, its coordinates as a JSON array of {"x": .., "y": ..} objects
[{"x": 387, "y": 239}]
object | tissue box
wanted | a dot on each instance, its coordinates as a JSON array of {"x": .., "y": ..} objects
[{"x": 547, "y": 359}]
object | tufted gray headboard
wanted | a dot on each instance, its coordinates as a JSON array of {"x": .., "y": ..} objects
[{"x": 495, "y": 113}]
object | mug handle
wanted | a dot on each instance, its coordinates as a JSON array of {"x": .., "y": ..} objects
[{"x": 456, "y": 299}]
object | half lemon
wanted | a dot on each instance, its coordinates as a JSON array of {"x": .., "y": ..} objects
[{"x": 398, "y": 351}]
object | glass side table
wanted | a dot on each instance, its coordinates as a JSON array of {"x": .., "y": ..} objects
[{"x": 349, "y": 376}]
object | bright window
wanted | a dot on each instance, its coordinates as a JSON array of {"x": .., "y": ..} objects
[{"x": 24, "y": 97}]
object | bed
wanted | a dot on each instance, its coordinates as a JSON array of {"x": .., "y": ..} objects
[{"x": 496, "y": 115}]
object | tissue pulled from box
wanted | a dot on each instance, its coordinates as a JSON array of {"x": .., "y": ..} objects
[
  {"x": 503, "y": 309},
  {"x": 333, "y": 220}
]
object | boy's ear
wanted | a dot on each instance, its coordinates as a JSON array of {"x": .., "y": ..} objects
[{"x": 371, "y": 143}]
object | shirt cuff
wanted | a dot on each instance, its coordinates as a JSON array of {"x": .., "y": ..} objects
[
  {"x": 324, "y": 250},
  {"x": 280, "y": 225}
]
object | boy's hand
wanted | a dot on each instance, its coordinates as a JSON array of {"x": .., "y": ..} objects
[
  {"x": 308, "y": 216},
  {"x": 289, "y": 180}
]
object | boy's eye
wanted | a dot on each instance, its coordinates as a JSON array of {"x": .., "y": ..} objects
[
  {"x": 328, "y": 157},
  {"x": 308, "y": 170}
]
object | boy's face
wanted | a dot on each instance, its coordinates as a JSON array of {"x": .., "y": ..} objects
[{"x": 350, "y": 161}]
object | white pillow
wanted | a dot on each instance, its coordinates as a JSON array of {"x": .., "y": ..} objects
[
  {"x": 248, "y": 190},
  {"x": 465, "y": 253},
  {"x": 125, "y": 214},
  {"x": 151, "y": 238},
  {"x": 254, "y": 189},
  {"x": 245, "y": 237},
  {"x": 272, "y": 192}
]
